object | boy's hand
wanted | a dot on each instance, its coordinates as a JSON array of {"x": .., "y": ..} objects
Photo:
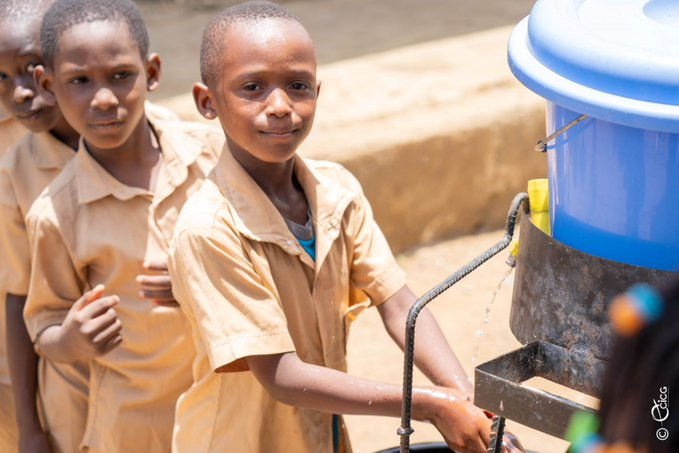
[
  {"x": 157, "y": 286},
  {"x": 464, "y": 427},
  {"x": 91, "y": 327}
]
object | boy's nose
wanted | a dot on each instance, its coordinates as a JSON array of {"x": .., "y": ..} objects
[
  {"x": 104, "y": 99},
  {"x": 22, "y": 94},
  {"x": 278, "y": 103}
]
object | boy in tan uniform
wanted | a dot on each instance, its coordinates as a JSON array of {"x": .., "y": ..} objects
[
  {"x": 104, "y": 225},
  {"x": 273, "y": 254},
  {"x": 25, "y": 170}
]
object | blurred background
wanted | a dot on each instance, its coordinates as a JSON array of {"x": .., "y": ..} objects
[{"x": 418, "y": 102}]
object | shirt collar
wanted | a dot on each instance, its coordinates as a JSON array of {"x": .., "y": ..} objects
[
  {"x": 179, "y": 152},
  {"x": 48, "y": 152},
  {"x": 257, "y": 218}
]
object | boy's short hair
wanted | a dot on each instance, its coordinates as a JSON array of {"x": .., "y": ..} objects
[
  {"x": 65, "y": 14},
  {"x": 19, "y": 10},
  {"x": 212, "y": 46}
]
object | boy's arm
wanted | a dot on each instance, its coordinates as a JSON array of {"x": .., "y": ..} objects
[
  {"x": 23, "y": 367},
  {"x": 293, "y": 382},
  {"x": 433, "y": 355},
  {"x": 65, "y": 324}
]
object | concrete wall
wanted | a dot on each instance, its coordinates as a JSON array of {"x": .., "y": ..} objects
[{"x": 440, "y": 134}]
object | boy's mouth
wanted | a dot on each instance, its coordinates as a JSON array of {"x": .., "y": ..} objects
[
  {"x": 30, "y": 115},
  {"x": 278, "y": 132},
  {"x": 107, "y": 124}
]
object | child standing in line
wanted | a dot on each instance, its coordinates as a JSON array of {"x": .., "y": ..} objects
[
  {"x": 25, "y": 170},
  {"x": 273, "y": 254},
  {"x": 100, "y": 232}
]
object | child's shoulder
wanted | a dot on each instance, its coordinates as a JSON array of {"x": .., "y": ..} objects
[
  {"x": 16, "y": 154},
  {"x": 334, "y": 173},
  {"x": 58, "y": 200},
  {"x": 202, "y": 210},
  {"x": 11, "y": 131},
  {"x": 193, "y": 142},
  {"x": 11, "y": 164}
]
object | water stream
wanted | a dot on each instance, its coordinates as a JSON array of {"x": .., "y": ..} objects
[{"x": 486, "y": 317}]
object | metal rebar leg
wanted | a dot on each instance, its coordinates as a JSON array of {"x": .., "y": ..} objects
[
  {"x": 497, "y": 432},
  {"x": 406, "y": 410}
]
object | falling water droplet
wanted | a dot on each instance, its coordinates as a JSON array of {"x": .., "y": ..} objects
[
  {"x": 502, "y": 406},
  {"x": 479, "y": 333}
]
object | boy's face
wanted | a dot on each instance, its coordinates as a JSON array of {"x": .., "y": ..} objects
[
  {"x": 100, "y": 81},
  {"x": 19, "y": 55},
  {"x": 266, "y": 95}
]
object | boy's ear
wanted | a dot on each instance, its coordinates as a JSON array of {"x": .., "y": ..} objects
[
  {"x": 43, "y": 82},
  {"x": 152, "y": 71},
  {"x": 203, "y": 99}
]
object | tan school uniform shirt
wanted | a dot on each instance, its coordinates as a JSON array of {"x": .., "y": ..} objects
[
  {"x": 10, "y": 133},
  {"x": 88, "y": 228},
  {"x": 248, "y": 288},
  {"x": 25, "y": 170}
]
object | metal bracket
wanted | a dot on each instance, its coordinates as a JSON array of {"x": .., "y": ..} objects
[{"x": 498, "y": 386}]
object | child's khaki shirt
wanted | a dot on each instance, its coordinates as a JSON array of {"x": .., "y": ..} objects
[
  {"x": 88, "y": 228},
  {"x": 11, "y": 131},
  {"x": 248, "y": 288},
  {"x": 25, "y": 170}
]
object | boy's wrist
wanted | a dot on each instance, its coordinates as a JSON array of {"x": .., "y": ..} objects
[
  {"x": 426, "y": 406},
  {"x": 54, "y": 345}
]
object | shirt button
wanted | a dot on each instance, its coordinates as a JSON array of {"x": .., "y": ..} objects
[{"x": 290, "y": 243}]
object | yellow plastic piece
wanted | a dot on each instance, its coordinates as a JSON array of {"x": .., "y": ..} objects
[
  {"x": 514, "y": 248},
  {"x": 538, "y": 197}
]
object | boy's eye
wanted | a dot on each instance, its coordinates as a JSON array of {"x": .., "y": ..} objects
[
  {"x": 251, "y": 87},
  {"x": 122, "y": 75},
  {"x": 3, "y": 77},
  {"x": 299, "y": 86},
  {"x": 78, "y": 80}
]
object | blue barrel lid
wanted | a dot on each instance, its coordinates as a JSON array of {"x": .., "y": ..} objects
[{"x": 616, "y": 60}]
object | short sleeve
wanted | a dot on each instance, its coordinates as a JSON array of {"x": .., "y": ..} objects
[
  {"x": 216, "y": 284},
  {"x": 15, "y": 262},
  {"x": 54, "y": 281},
  {"x": 374, "y": 269}
]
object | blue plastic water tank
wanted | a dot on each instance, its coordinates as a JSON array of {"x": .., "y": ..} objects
[{"x": 614, "y": 177}]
